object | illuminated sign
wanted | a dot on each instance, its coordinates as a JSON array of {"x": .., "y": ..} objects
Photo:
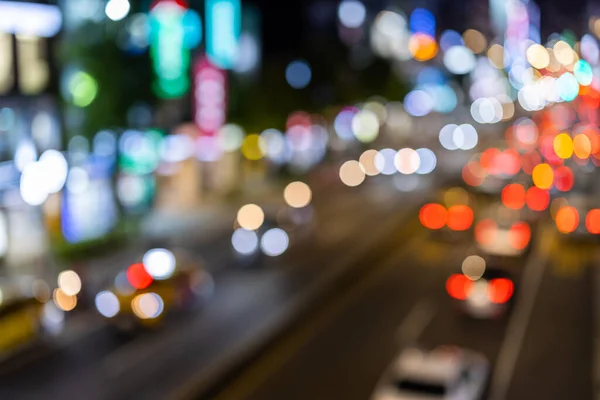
[
  {"x": 174, "y": 31},
  {"x": 30, "y": 18},
  {"x": 223, "y": 27},
  {"x": 210, "y": 96},
  {"x": 30, "y": 24}
]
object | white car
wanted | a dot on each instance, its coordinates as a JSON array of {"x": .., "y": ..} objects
[
  {"x": 448, "y": 373},
  {"x": 502, "y": 232}
]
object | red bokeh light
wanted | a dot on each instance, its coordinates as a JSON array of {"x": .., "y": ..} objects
[
  {"x": 138, "y": 277},
  {"x": 519, "y": 235},
  {"x": 563, "y": 179},
  {"x": 473, "y": 174},
  {"x": 460, "y": 218},
  {"x": 485, "y": 231},
  {"x": 513, "y": 196},
  {"x": 500, "y": 290},
  {"x": 537, "y": 199},
  {"x": 433, "y": 216},
  {"x": 458, "y": 286}
]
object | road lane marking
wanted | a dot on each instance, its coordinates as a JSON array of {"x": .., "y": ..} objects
[
  {"x": 533, "y": 273},
  {"x": 273, "y": 360},
  {"x": 414, "y": 324}
]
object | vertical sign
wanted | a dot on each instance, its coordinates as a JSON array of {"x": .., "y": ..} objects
[
  {"x": 223, "y": 27},
  {"x": 169, "y": 56},
  {"x": 210, "y": 96}
]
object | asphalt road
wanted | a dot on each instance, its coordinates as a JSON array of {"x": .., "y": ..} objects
[
  {"x": 166, "y": 363},
  {"x": 542, "y": 350}
]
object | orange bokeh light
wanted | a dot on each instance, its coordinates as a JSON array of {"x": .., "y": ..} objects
[
  {"x": 567, "y": 219},
  {"x": 433, "y": 216},
  {"x": 582, "y": 146},
  {"x": 460, "y": 218},
  {"x": 592, "y": 221},
  {"x": 422, "y": 47},
  {"x": 513, "y": 196}
]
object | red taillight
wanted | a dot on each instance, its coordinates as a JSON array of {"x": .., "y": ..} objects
[
  {"x": 567, "y": 219},
  {"x": 460, "y": 218},
  {"x": 433, "y": 216},
  {"x": 513, "y": 196},
  {"x": 592, "y": 221},
  {"x": 485, "y": 231},
  {"x": 500, "y": 290},
  {"x": 537, "y": 199},
  {"x": 458, "y": 286},
  {"x": 138, "y": 277},
  {"x": 519, "y": 235}
]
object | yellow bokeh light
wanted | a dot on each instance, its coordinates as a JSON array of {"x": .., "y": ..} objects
[
  {"x": 251, "y": 147},
  {"x": 64, "y": 301},
  {"x": 554, "y": 65},
  {"x": 351, "y": 173},
  {"x": 422, "y": 47},
  {"x": 582, "y": 146},
  {"x": 563, "y": 145},
  {"x": 367, "y": 161},
  {"x": 297, "y": 194},
  {"x": 564, "y": 53},
  {"x": 250, "y": 217},
  {"x": 538, "y": 56},
  {"x": 543, "y": 176},
  {"x": 496, "y": 56},
  {"x": 474, "y": 40}
]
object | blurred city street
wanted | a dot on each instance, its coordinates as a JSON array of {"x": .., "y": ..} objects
[{"x": 309, "y": 199}]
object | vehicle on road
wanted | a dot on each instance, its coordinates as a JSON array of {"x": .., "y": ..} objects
[
  {"x": 163, "y": 282},
  {"x": 502, "y": 232},
  {"x": 481, "y": 291},
  {"x": 27, "y": 316},
  {"x": 442, "y": 373}
]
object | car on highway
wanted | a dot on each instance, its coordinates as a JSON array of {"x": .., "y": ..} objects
[
  {"x": 445, "y": 372},
  {"x": 162, "y": 282},
  {"x": 480, "y": 290},
  {"x": 502, "y": 232},
  {"x": 27, "y": 316}
]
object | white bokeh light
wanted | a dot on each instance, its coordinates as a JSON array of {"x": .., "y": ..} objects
[
  {"x": 244, "y": 241},
  {"x": 107, "y": 304},
  {"x": 274, "y": 242},
  {"x": 116, "y": 10},
  {"x": 55, "y": 168},
  {"x": 32, "y": 186},
  {"x": 160, "y": 263},
  {"x": 384, "y": 161},
  {"x": 352, "y": 13},
  {"x": 407, "y": 161}
]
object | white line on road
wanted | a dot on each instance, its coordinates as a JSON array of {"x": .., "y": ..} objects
[
  {"x": 533, "y": 272},
  {"x": 416, "y": 321}
]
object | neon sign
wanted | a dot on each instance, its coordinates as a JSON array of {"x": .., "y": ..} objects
[
  {"x": 223, "y": 28},
  {"x": 175, "y": 30}
]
